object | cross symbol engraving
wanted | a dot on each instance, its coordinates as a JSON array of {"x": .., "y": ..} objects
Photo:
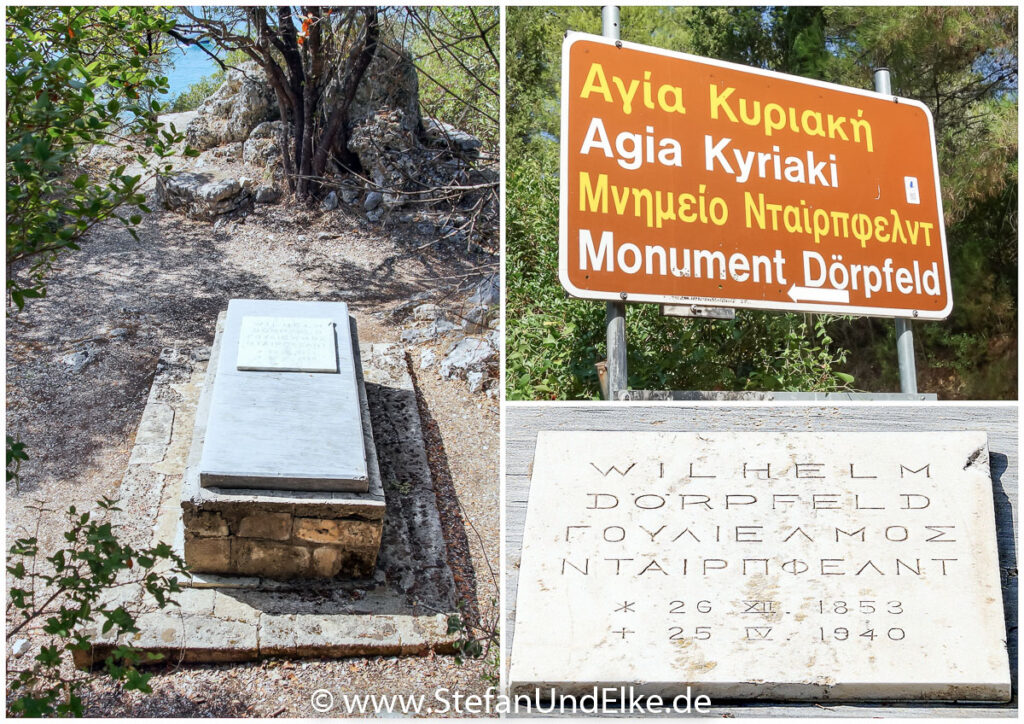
[
  {"x": 624, "y": 631},
  {"x": 626, "y": 607}
]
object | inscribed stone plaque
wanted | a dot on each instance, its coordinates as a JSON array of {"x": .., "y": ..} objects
[
  {"x": 285, "y": 430},
  {"x": 840, "y": 566},
  {"x": 287, "y": 344}
]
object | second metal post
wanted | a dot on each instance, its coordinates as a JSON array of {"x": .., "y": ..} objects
[
  {"x": 904, "y": 332},
  {"x": 615, "y": 315}
]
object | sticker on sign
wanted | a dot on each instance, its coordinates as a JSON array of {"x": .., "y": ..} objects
[{"x": 686, "y": 180}]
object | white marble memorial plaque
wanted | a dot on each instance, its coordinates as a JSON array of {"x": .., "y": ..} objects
[
  {"x": 792, "y": 566},
  {"x": 287, "y": 344}
]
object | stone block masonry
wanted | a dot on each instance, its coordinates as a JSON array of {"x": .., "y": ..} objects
[{"x": 281, "y": 534}]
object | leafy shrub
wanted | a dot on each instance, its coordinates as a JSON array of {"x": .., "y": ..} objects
[
  {"x": 76, "y": 78},
  {"x": 62, "y": 593},
  {"x": 193, "y": 97},
  {"x": 552, "y": 341}
]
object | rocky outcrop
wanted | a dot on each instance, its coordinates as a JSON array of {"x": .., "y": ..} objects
[
  {"x": 263, "y": 147},
  {"x": 200, "y": 197},
  {"x": 439, "y": 133},
  {"x": 390, "y": 83},
  {"x": 406, "y": 162},
  {"x": 459, "y": 340},
  {"x": 387, "y": 151},
  {"x": 243, "y": 101}
]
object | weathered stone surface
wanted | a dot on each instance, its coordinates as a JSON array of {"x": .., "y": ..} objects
[
  {"x": 821, "y": 566},
  {"x": 287, "y": 344},
  {"x": 267, "y": 558},
  {"x": 284, "y": 430},
  {"x": 207, "y": 523},
  {"x": 441, "y": 133},
  {"x": 487, "y": 292},
  {"x": 348, "y": 533},
  {"x": 266, "y": 194},
  {"x": 372, "y": 200},
  {"x": 428, "y": 312},
  {"x": 326, "y": 561},
  {"x": 212, "y": 555},
  {"x": 390, "y": 82},
  {"x": 200, "y": 196},
  {"x": 272, "y": 526},
  {"x": 330, "y": 202},
  {"x": 471, "y": 354},
  {"x": 262, "y": 148}
]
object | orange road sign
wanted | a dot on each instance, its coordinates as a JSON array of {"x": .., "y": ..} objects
[{"x": 693, "y": 181}]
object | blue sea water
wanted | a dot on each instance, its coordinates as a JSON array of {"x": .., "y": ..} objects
[{"x": 187, "y": 65}]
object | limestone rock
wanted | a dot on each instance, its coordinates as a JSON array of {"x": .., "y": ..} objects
[
  {"x": 487, "y": 291},
  {"x": 262, "y": 148},
  {"x": 387, "y": 153},
  {"x": 427, "y": 312},
  {"x": 199, "y": 197},
  {"x": 266, "y": 194},
  {"x": 445, "y": 134},
  {"x": 424, "y": 334},
  {"x": 390, "y": 82},
  {"x": 470, "y": 354},
  {"x": 243, "y": 101}
]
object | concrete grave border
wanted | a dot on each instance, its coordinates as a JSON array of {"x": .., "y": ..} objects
[{"x": 402, "y": 610}]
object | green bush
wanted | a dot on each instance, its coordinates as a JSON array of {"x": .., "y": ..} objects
[
  {"x": 63, "y": 593},
  {"x": 552, "y": 341},
  {"x": 76, "y": 78},
  {"x": 191, "y": 99}
]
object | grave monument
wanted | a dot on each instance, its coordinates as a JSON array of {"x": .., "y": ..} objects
[
  {"x": 847, "y": 566},
  {"x": 281, "y": 481}
]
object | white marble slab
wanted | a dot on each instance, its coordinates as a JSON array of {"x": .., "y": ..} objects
[
  {"x": 285, "y": 430},
  {"x": 788, "y": 566},
  {"x": 287, "y": 344}
]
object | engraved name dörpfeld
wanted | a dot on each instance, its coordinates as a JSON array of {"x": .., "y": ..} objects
[
  {"x": 802, "y": 565},
  {"x": 287, "y": 344}
]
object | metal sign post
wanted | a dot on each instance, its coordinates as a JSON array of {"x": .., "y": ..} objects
[
  {"x": 904, "y": 333},
  {"x": 615, "y": 314}
]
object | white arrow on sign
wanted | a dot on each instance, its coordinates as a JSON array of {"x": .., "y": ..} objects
[{"x": 815, "y": 294}]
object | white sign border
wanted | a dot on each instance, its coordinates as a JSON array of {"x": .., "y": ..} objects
[{"x": 563, "y": 220}]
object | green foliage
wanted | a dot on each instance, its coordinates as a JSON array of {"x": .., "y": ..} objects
[
  {"x": 961, "y": 62},
  {"x": 476, "y": 642},
  {"x": 62, "y": 594},
  {"x": 191, "y": 98},
  {"x": 552, "y": 342},
  {"x": 456, "y": 53},
  {"x": 76, "y": 78},
  {"x": 16, "y": 455}
]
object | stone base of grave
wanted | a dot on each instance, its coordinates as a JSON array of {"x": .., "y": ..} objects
[
  {"x": 281, "y": 533},
  {"x": 401, "y": 608}
]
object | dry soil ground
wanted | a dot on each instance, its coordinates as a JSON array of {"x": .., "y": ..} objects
[{"x": 79, "y": 367}]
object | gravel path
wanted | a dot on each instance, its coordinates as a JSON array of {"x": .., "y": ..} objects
[{"x": 79, "y": 367}]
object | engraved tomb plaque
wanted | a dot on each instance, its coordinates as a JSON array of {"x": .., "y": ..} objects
[
  {"x": 804, "y": 566},
  {"x": 287, "y": 344}
]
